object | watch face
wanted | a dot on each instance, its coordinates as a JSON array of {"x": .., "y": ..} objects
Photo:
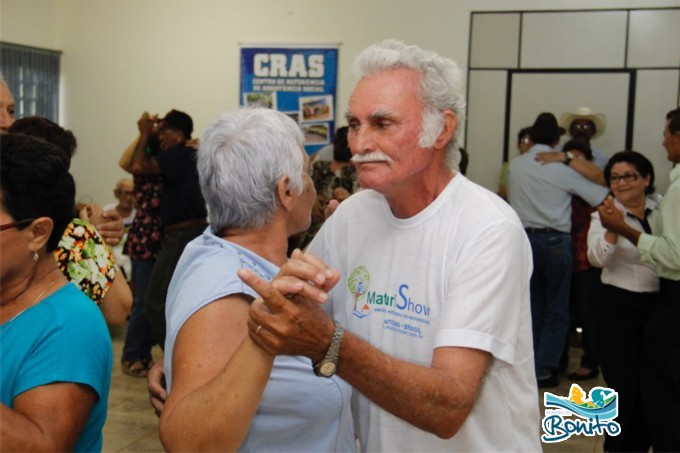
[{"x": 327, "y": 368}]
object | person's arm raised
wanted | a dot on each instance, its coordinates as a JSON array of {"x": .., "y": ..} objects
[
  {"x": 140, "y": 163},
  {"x": 125, "y": 161},
  {"x": 146, "y": 125}
]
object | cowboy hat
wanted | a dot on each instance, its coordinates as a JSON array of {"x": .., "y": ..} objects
[
  {"x": 585, "y": 113},
  {"x": 545, "y": 128}
]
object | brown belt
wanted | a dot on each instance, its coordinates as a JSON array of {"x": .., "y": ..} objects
[{"x": 185, "y": 224}]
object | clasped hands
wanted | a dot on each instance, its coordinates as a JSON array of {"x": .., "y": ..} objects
[
  {"x": 610, "y": 216},
  {"x": 287, "y": 318},
  {"x": 148, "y": 124}
]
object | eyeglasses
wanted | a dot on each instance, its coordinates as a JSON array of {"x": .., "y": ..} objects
[
  {"x": 628, "y": 176},
  {"x": 16, "y": 224},
  {"x": 582, "y": 126}
]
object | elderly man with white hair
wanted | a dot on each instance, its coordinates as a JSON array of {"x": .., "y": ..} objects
[{"x": 430, "y": 321}]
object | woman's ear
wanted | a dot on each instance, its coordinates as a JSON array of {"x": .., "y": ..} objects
[
  {"x": 286, "y": 196},
  {"x": 39, "y": 232}
]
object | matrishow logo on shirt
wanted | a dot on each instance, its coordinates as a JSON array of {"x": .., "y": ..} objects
[
  {"x": 401, "y": 313},
  {"x": 578, "y": 415}
]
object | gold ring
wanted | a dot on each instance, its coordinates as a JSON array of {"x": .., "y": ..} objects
[{"x": 257, "y": 331}]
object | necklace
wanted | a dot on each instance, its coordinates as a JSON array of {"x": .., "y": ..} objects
[{"x": 35, "y": 301}]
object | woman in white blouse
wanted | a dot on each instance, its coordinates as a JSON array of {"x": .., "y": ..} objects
[{"x": 628, "y": 294}]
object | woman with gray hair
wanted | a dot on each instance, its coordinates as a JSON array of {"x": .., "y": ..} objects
[{"x": 224, "y": 391}]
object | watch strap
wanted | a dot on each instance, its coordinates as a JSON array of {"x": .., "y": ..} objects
[{"x": 333, "y": 352}]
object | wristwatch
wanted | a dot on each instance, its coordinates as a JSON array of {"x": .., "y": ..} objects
[
  {"x": 569, "y": 157},
  {"x": 329, "y": 364}
]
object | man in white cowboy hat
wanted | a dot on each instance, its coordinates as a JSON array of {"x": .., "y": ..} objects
[
  {"x": 541, "y": 196},
  {"x": 586, "y": 125}
]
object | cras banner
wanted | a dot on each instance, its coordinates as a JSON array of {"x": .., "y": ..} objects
[{"x": 299, "y": 81}]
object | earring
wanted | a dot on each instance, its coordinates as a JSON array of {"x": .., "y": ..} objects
[{"x": 35, "y": 256}]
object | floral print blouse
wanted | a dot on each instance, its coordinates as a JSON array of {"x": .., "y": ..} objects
[
  {"x": 84, "y": 258},
  {"x": 145, "y": 236},
  {"x": 580, "y": 223}
]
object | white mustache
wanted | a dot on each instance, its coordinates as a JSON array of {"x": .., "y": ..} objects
[{"x": 375, "y": 156}]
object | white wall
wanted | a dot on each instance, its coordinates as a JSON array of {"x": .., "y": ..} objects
[{"x": 121, "y": 57}]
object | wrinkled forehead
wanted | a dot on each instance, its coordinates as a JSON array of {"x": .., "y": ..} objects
[{"x": 386, "y": 90}]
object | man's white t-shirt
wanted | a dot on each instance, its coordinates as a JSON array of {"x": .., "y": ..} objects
[{"x": 456, "y": 274}]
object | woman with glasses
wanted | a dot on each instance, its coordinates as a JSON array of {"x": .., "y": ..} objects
[
  {"x": 82, "y": 253},
  {"x": 628, "y": 294},
  {"x": 55, "y": 366}
]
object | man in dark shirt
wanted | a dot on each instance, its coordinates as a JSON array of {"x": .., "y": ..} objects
[{"x": 183, "y": 209}]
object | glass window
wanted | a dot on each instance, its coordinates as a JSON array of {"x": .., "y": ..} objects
[{"x": 32, "y": 75}]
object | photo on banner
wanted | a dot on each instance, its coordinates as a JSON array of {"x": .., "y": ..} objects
[{"x": 298, "y": 80}]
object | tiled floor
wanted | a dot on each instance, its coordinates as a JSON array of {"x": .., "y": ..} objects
[{"x": 132, "y": 425}]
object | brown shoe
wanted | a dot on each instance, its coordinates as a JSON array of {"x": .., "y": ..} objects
[
  {"x": 583, "y": 374},
  {"x": 136, "y": 369}
]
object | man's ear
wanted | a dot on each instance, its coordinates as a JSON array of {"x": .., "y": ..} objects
[
  {"x": 285, "y": 194},
  {"x": 446, "y": 135},
  {"x": 39, "y": 232}
]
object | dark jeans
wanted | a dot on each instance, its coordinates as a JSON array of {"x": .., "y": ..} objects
[
  {"x": 661, "y": 375},
  {"x": 166, "y": 261},
  {"x": 621, "y": 318},
  {"x": 550, "y": 282},
  {"x": 138, "y": 341}
]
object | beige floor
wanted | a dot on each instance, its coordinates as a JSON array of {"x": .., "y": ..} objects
[{"x": 132, "y": 425}]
